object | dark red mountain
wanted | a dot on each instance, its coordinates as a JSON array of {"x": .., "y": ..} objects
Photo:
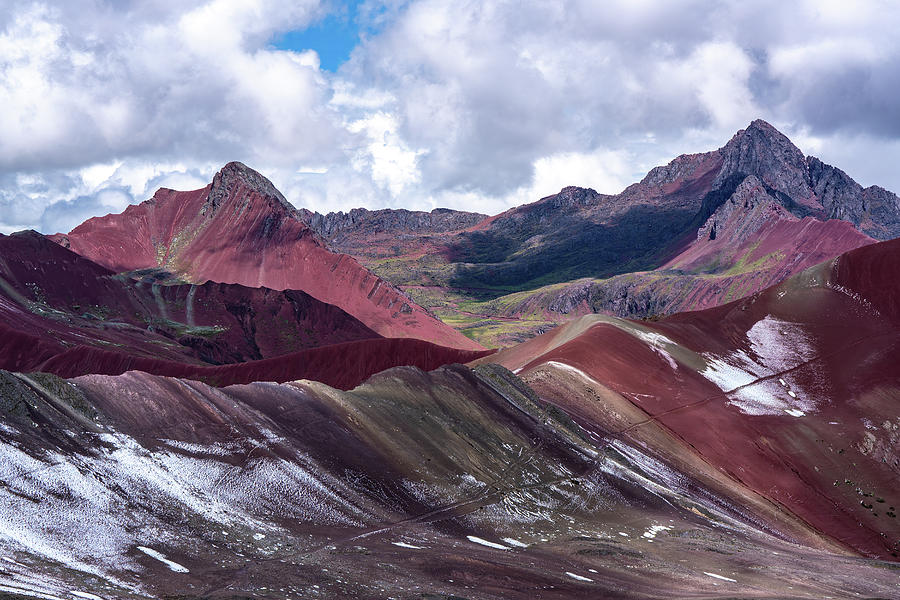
[
  {"x": 240, "y": 229},
  {"x": 52, "y": 293},
  {"x": 63, "y": 314}
]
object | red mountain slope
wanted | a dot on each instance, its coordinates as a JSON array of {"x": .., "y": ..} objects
[
  {"x": 240, "y": 229},
  {"x": 342, "y": 366},
  {"x": 53, "y": 294},
  {"x": 789, "y": 394},
  {"x": 63, "y": 314}
]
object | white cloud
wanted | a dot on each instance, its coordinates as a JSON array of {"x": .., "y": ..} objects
[
  {"x": 387, "y": 158},
  {"x": 475, "y": 105},
  {"x": 605, "y": 171}
]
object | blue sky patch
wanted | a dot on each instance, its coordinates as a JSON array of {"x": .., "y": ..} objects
[{"x": 333, "y": 38}]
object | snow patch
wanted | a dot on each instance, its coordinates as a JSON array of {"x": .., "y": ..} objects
[
  {"x": 660, "y": 344},
  {"x": 651, "y": 473},
  {"x": 780, "y": 345},
  {"x": 776, "y": 346},
  {"x": 569, "y": 368},
  {"x": 794, "y": 412},
  {"x": 483, "y": 542},
  {"x": 514, "y": 542},
  {"x": 79, "y": 516},
  {"x": 729, "y": 376},
  {"x": 578, "y": 577},
  {"x": 654, "y": 529},
  {"x": 720, "y": 577},
  {"x": 203, "y": 449},
  {"x": 85, "y": 595},
  {"x": 27, "y": 592},
  {"x": 405, "y": 545},
  {"x": 173, "y": 566}
]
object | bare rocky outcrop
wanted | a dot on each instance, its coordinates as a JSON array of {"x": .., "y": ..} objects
[
  {"x": 744, "y": 213},
  {"x": 401, "y": 221},
  {"x": 235, "y": 176},
  {"x": 765, "y": 152}
]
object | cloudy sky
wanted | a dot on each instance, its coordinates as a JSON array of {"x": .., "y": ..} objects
[{"x": 478, "y": 105}]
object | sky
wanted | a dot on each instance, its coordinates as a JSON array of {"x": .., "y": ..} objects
[{"x": 476, "y": 105}]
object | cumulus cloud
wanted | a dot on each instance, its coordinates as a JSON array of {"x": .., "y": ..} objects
[
  {"x": 476, "y": 105},
  {"x": 490, "y": 88}
]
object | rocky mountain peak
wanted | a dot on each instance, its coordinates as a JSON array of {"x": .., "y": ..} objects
[
  {"x": 236, "y": 175},
  {"x": 762, "y": 150},
  {"x": 573, "y": 196}
]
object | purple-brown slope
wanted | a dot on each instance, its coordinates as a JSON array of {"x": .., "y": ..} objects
[
  {"x": 450, "y": 484},
  {"x": 342, "y": 366}
]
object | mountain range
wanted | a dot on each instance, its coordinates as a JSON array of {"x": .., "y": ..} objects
[
  {"x": 689, "y": 390},
  {"x": 704, "y": 229}
]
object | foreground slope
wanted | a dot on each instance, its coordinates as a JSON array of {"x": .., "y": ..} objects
[
  {"x": 790, "y": 392},
  {"x": 240, "y": 229},
  {"x": 457, "y": 483}
]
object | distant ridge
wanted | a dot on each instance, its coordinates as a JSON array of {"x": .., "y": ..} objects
[{"x": 699, "y": 231}]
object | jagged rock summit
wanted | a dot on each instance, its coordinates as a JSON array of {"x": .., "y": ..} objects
[
  {"x": 241, "y": 229},
  {"x": 805, "y": 185},
  {"x": 236, "y": 174}
]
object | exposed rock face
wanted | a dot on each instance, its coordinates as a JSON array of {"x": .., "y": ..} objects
[
  {"x": 743, "y": 214},
  {"x": 652, "y": 221},
  {"x": 881, "y": 213},
  {"x": 805, "y": 185},
  {"x": 398, "y": 221},
  {"x": 681, "y": 168},
  {"x": 236, "y": 177},
  {"x": 573, "y": 196},
  {"x": 874, "y": 210},
  {"x": 240, "y": 229},
  {"x": 763, "y": 151}
]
